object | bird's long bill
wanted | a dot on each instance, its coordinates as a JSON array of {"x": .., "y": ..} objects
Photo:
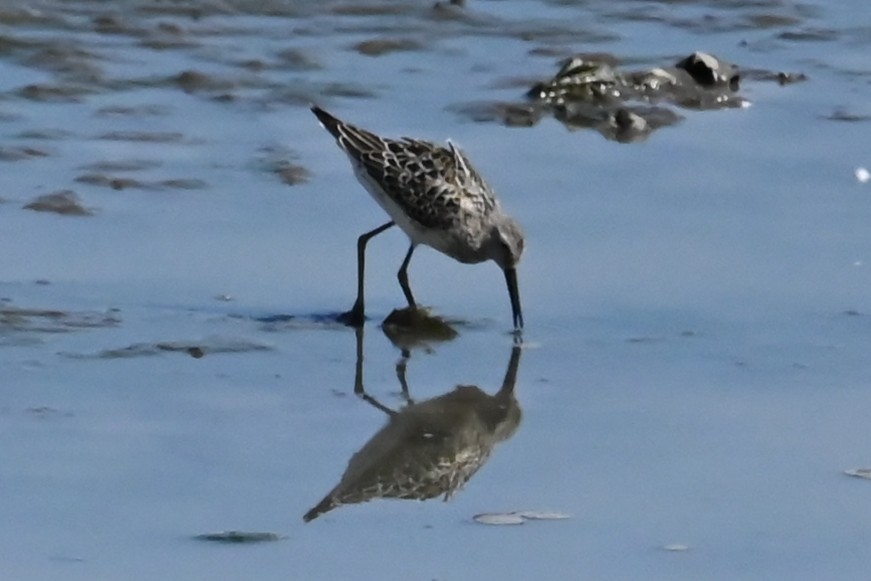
[{"x": 511, "y": 279}]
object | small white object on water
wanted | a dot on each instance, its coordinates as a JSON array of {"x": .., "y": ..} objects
[
  {"x": 517, "y": 517},
  {"x": 862, "y": 175},
  {"x": 542, "y": 515},
  {"x": 675, "y": 547},
  {"x": 494, "y": 518},
  {"x": 859, "y": 473}
]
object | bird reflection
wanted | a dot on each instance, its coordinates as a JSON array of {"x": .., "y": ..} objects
[{"x": 427, "y": 449}]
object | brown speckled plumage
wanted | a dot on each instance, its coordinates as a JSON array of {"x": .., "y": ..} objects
[{"x": 436, "y": 197}]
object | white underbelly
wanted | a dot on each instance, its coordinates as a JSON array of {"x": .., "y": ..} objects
[{"x": 439, "y": 239}]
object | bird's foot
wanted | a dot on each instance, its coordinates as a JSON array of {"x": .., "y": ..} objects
[{"x": 353, "y": 318}]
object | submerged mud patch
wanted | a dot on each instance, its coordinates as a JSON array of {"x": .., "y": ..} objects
[
  {"x": 144, "y": 136},
  {"x": 382, "y": 46},
  {"x": 125, "y": 183},
  {"x": 45, "y": 134},
  {"x": 64, "y": 202},
  {"x": 54, "y": 321},
  {"x": 55, "y": 93},
  {"x": 134, "y": 111},
  {"x": 121, "y": 165},
  {"x": 195, "y": 349},
  {"x": 279, "y": 160},
  {"x": 19, "y": 153},
  {"x": 239, "y": 537},
  {"x": 296, "y": 59}
]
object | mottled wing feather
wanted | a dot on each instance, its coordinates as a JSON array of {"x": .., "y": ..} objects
[
  {"x": 471, "y": 181},
  {"x": 422, "y": 178}
]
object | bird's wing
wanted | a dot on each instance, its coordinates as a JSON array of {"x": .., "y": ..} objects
[{"x": 420, "y": 177}]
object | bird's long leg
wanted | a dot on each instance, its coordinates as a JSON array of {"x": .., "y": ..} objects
[
  {"x": 403, "y": 278},
  {"x": 357, "y": 316}
]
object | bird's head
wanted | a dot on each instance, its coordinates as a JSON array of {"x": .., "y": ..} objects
[
  {"x": 506, "y": 248},
  {"x": 506, "y": 243}
]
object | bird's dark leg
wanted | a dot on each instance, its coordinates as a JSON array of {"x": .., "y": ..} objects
[
  {"x": 357, "y": 316},
  {"x": 403, "y": 278}
]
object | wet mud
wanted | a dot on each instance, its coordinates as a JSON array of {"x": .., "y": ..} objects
[
  {"x": 64, "y": 202},
  {"x": 37, "y": 320}
]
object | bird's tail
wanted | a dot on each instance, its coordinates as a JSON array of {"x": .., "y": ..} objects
[
  {"x": 324, "y": 506},
  {"x": 357, "y": 142},
  {"x": 329, "y": 122}
]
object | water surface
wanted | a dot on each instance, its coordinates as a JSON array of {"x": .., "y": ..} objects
[{"x": 695, "y": 369}]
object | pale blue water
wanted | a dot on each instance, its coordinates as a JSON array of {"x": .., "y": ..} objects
[{"x": 690, "y": 373}]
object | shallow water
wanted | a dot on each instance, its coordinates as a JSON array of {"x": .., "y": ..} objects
[{"x": 695, "y": 369}]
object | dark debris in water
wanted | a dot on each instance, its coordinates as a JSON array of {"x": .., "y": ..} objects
[
  {"x": 595, "y": 86},
  {"x": 239, "y": 537},
  {"x": 196, "y": 349},
  {"x": 275, "y": 318},
  {"x": 64, "y": 202},
  {"x": 46, "y": 413},
  {"x": 286, "y": 322},
  {"x": 847, "y": 116},
  {"x": 782, "y": 78},
  {"x": 810, "y": 35},
  {"x": 592, "y": 91}
]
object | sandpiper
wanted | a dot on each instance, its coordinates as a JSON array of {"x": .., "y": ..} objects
[{"x": 437, "y": 198}]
